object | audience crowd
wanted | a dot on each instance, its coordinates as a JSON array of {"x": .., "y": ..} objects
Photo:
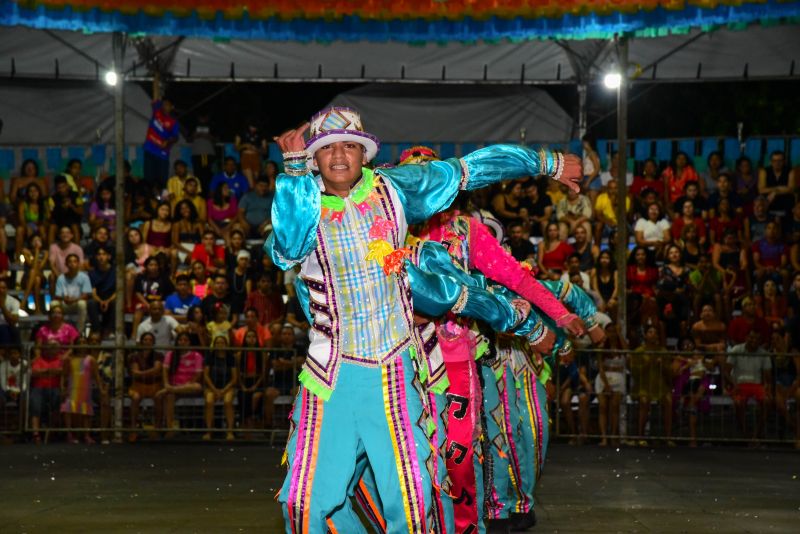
[{"x": 713, "y": 288}]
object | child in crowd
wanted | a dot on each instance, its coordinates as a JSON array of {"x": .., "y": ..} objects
[{"x": 79, "y": 375}]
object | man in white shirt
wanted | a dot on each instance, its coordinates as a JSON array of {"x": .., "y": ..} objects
[
  {"x": 162, "y": 326},
  {"x": 9, "y": 316},
  {"x": 748, "y": 370},
  {"x": 73, "y": 290}
]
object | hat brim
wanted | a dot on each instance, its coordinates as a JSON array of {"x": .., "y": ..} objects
[{"x": 368, "y": 141}]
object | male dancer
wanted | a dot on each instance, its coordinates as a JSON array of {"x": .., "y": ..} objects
[{"x": 346, "y": 229}]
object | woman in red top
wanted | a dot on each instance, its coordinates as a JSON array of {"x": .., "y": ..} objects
[
  {"x": 553, "y": 254},
  {"x": 641, "y": 276},
  {"x": 676, "y": 175},
  {"x": 725, "y": 220},
  {"x": 686, "y": 216},
  {"x": 771, "y": 306}
]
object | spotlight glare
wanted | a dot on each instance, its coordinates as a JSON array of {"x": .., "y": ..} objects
[
  {"x": 612, "y": 80},
  {"x": 111, "y": 78}
]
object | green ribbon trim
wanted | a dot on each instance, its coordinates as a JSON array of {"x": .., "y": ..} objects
[
  {"x": 310, "y": 383},
  {"x": 334, "y": 203}
]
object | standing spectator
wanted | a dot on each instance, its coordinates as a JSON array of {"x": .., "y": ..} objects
[
  {"x": 255, "y": 209},
  {"x": 46, "y": 370},
  {"x": 538, "y": 206},
  {"x": 162, "y": 132},
  {"x": 56, "y": 331},
  {"x": 177, "y": 304},
  {"x": 777, "y": 183},
  {"x": 687, "y": 216},
  {"x": 59, "y": 252},
  {"x": 694, "y": 389},
  {"x": 104, "y": 292},
  {"x": 676, "y": 175},
  {"x": 252, "y": 378},
  {"x": 652, "y": 373},
  {"x": 746, "y": 183},
  {"x": 102, "y": 210},
  {"x": 33, "y": 216},
  {"x": 652, "y": 232},
  {"x": 553, "y": 254},
  {"x": 748, "y": 370},
  {"x": 146, "y": 380},
  {"x": 106, "y": 370},
  {"x": 203, "y": 151},
  {"x": 207, "y": 252},
  {"x": 712, "y": 175},
  {"x": 770, "y": 258},
  {"x": 230, "y": 175},
  {"x": 9, "y": 316},
  {"x": 574, "y": 383},
  {"x": 522, "y": 249},
  {"x": 591, "y": 169},
  {"x": 787, "y": 367},
  {"x": 740, "y": 326},
  {"x": 507, "y": 206},
  {"x": 771, "y": 305},
  {"x": 181, "y": 376},
  {"x": 266, "y": 300},
  {"x": 177, "y": 182},
  {"x": 13, "y": 382},
  {"x": 605, "y": 211},
  {"x": 187, "y": 230},
  {"x": 220, "y": 376},
  {"x": 604, "y": 282},
  {"x": 285, "y": 362},
  {"x": 252, "y": 147},
  {"x": 163, "y": 327},
  {"x": 78, "y": 377},
  {"x": 573, "y": 211},
  {"x": 730, "y": 260},
  {"x": 610, "y": 384},
  {"x": 73, "y": 290},
  {"x": 755, "y": 226}
]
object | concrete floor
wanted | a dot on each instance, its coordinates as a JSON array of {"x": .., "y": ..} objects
[{"x": 179, "y": 487}]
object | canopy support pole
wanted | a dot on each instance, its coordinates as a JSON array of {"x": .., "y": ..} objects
[{"x": 621, "y": 248}]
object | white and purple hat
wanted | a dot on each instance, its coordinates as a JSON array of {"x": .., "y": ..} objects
[{"x": 336, "y": 124}]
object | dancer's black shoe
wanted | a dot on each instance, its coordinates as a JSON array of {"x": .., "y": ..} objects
[
  {"x": 523, "y": 522},
  {"x": 498, "y": 526}
]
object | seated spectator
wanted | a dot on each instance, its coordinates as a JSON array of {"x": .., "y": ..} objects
[
  {"x": 539, "y": 208},
  {"x": 793, "y": 319},
  {"x": 233, "y": 246},
  {"x": 221, "y": 377},
  {"x": 687, "y": 216},
  {"x": 230, "y": 175},
  {"x": 136, "y": 253},
  {"x": 777, "y": 183},
  {"x": 196, "y": 327},
  {"x": 591, "y": 169},
  {"x": 689, "y": 243},
  {"x": 146, "y": 375},
  {"x": 157, "y": 233},
  {"x": 285, "y": 362},
  {"x": 177, "y": 304},
  {"x": 740, "y": 326},
  {"x": 711, "y": 176},
  {"x": 748, "y": 370},
  {"x": 181, "y": 376},
  {"x": 586, "y": 250},
  {"x": 56, "y": 331},
  {"x": 252, "y": 378},
  {"x": 9, "y": 317},
  {"x": 211, "y": 255},
  {"x": 770, "y": 258},
  {"x": 191, "y": 194},
  {"x": 522, "y": 249},
  {"x": 266, "y": 300},
  {"x": 573, "y": 211},
  {"x": 219, "y": 325},
  {"x": 553, "y": 254},
  {"x": 177, "y": 181},
  {"x": 33, "y": 216},
  {"x": 36, "y": 258},
  {"x": 152, "y": 285},
  {"x": 45, "y": 395},
  {"x": 651, "y": 371},
  {"x": 755, "y": 226},
  {"x": 163, "y": 327},
  {"x": 140, "y": 206},
  {"x": 574, "y": 269},
  {"x": 66, "y": 210},
  {"x": 791, "y": 226},
  {"x": 771, "y": 305},
  {"x": 745, "y": 183},
  {"x": 296, "y": 317},
  {"x": 698, "y": 202},
  {"x": 186, "y": 229},
  {"x": 709, "y": 332},
  {"x": 648, "y": 180},
  {"x": 723, "y": 220},
  {"x": 104, "y": 292},
  {"x": 101, "y": 238},
  {"x": 725, "y": 192},
  {"x": 604, "y": 282},
  {"x": 223, "y": 211},
  {"x": 219, "y": 295},
  {"x": 730, "y": 260},
  {"x": 605, "y": 211},
  {"x": 73, "y": 290},
  {"x": 677, "y": 174},
  {"x": 507, "y": 206},
  {"x": 78, "y": 377},
  {"x": 653, "y": 232},
  {"x": 255, "y": 209},
  {"x": 707, "y": 284},
  {"x": 615, "y": 166},
  {"x": 251, "y": 323},
  {"x": 28, "y": 174},
  {"x": 102, "y": 211},
  {"x": 642, "y": 276},
  {"x": 787, "y": 367},
  {"x": 673, "y": 281},
  {"x": 200, "y": 281},
  {"x": 610, "y": 384},
  {"x": 59, "y": 251}
]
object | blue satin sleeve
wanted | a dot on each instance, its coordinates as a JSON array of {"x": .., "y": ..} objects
[
  {"x": 575, "y": 298},
  {"x": 434, "y": 258},
  {"x": 425, "y": 190},
  {"x": 301, "y": 290},
  {"x": 496, "y": 163},
  {"x": 533, "y": 325},
  {"x": 295, "y": 216}
]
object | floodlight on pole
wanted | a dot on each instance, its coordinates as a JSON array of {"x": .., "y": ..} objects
[
  {"x": 612, "y": 80},
  {"x": 111, "y": 78}
]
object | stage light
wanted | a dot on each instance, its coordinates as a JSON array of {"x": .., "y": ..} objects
[
  {"x": 612, "y": 80},
  {"x": 111, "y": 78}
]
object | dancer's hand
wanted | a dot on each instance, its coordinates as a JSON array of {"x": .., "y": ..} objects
[
  {"x": 574, "y": 325},
  {"x": 292, "y": 140},
  {"x": 573, "y": 172},
  {"x": 545, "y": 343},
  {"x": 597, "y": 334}
]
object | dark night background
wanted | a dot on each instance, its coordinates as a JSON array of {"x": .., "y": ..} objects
[{"x": 655, "y": 110}]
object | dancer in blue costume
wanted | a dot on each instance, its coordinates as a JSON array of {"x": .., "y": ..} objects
[{"x": 346, "y": 228}]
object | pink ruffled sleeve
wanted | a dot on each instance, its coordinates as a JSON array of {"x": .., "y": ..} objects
[{"x": 487, "y": 256}]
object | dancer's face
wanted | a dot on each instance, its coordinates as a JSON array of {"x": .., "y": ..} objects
[{"x": 340, "y": 163}]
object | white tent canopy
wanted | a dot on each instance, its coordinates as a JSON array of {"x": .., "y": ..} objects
[
  {"x": 719, "y": 54},
  {"x": 458, "y": 114}
]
